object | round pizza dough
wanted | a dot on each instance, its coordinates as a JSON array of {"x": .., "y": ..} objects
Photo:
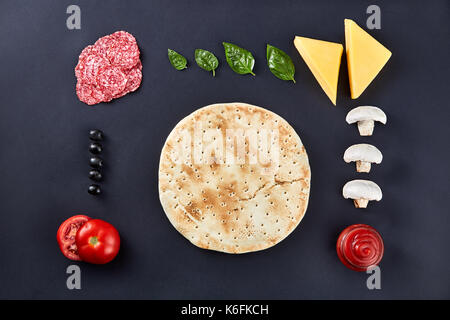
[{"x": 234, "y": 177}]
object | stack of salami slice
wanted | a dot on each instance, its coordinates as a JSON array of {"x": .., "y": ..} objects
[{"x": 109, "y": 69}]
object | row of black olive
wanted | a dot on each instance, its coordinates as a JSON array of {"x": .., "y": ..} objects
[{"x": 95, "y": 147}]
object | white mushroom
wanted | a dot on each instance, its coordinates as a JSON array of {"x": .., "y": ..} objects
[
  {"x": 364, "y": 155},
  {"x": 366, "y": 116},
  {"x": 361, "y": 191}
]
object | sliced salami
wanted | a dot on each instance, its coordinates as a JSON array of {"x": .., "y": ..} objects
[
  {"x": 112, "y": 81},
  {"x": 109, "y": 69},
  {"x": 134, "y": 77},
  {"x": 123, "y": 50},
  {"x": 90, "y": 94},
  {"x": 92, "y": 66}
]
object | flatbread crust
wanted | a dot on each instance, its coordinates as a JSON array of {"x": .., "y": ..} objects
[{"x": 240, "y": 207}]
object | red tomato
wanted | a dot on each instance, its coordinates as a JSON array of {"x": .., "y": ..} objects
[
  {"x": 98, "y": 242},
  {"x": 66, "y": 236}
]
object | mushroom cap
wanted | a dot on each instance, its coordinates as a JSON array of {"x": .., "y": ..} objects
[
  {"x": 366, "y": 113},
  {"x": 362, "y": 189},
  {"x": 363, "y": 152}
]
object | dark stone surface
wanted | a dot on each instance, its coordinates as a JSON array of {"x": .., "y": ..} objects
[{"x": 44, "y": 139}]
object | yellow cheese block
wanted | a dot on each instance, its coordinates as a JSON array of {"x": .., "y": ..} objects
[
  {"x": 365, "y": 57},
  {"x": 323, "y": 59}
]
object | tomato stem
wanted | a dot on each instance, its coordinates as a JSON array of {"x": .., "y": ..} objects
[{"x": 93, "y": 241}]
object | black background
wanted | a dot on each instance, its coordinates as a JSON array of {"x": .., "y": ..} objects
[{"x": 44, "y": 158}]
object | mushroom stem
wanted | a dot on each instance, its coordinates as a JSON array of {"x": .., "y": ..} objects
[
  {"x": 361, "y": 203},
  {"x": 365, "y": 127},
  {"x": 363, "y": 166}
]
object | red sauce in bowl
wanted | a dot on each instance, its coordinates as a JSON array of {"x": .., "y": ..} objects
[{"x": 359, "y": 247}]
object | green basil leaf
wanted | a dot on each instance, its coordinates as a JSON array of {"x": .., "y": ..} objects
[
  {"x": 206, "y": 60},
  {"x": 239, "y": 59},
  {"x": 280, "y": 64},
  {"x": 177, "y": 60}
]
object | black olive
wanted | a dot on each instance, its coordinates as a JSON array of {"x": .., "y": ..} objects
[
  {"x": 94, "y": 189},
  {"x": 96, "y": 162},
  {"x": 96, "y": 135},
  {"x": 95, "y": 148},
  {"x": 95, "y": 175}
]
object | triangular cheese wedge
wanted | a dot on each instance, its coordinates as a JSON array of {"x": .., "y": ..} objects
[
  {"x": 323, "y": 59},
  {"x": 365, "y": 57}
]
